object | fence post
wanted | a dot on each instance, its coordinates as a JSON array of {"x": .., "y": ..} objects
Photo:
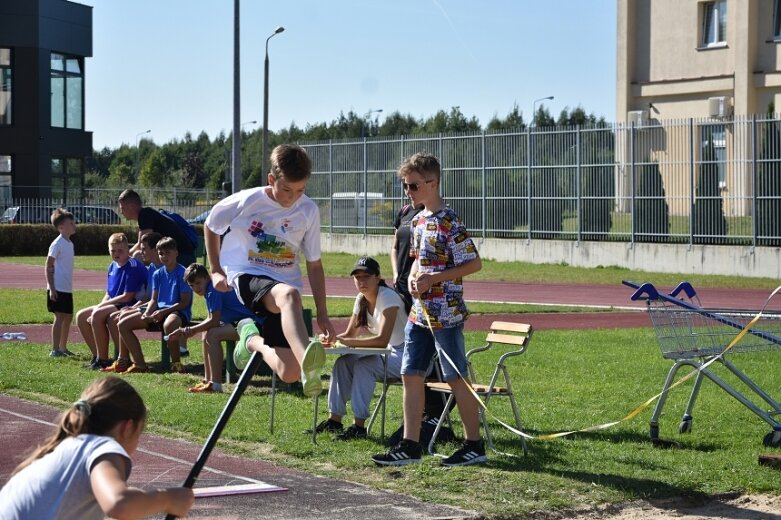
[
  {"x": 754, "y": 154},
  {"x": 578, "y": 186},
  {"x": 331, "y": 184},
  {"x": 365, "y": 188},
  {"x": 483, "y": 184},
  {"x": 691, "y": 183},
  {"x": 632, "y": 194},
  {"x": 529, "y": 185}
]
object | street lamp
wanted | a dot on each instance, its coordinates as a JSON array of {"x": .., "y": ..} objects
[
  {"x": 137, "y": 136},
  {"x": 263, "y": 167},
  {"x": 366, "y": 117},
  {"x": 534, "y": 107},
  {"x": 227, "y": 186},
  {"x": 248, "y": 123}
]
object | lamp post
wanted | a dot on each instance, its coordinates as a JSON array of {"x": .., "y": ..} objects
[
  {"x": 366, "y": 117},
  {"x": 534, "y": 107},
  {"x": 227, "y": 186},
  {"x": 137, "y": 136},
  {"x": 263, "y": 167}
]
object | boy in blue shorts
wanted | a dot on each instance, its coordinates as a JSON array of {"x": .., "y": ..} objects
[
  {"x": 444, "y": 253},
  {"x": 169, "y": 307},
  {"x": 270, "y": 228},
  {"x": 125, "y": 277},
  {"x": 225, "y": 310},
  {"x": 59, "y": 281}
]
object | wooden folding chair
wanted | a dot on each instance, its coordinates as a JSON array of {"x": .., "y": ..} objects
[{"x": 502, "y": 335}]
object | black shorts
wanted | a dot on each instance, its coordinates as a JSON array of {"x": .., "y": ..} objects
[
  {"x": 272, "y": 332},
  {"x": 252, "y": 289},
  {"x": 63, "y": 305}
]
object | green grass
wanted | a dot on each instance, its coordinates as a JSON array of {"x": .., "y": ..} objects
[
  {"x": 340, "y": 265},
  {"x": 566, "y": 381}
]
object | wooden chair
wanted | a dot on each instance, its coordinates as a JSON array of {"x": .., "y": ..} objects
[{"x": 509, "y": 336}]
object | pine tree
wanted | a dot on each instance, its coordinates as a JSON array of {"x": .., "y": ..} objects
[
  {"x": 709, "y": 223},
  {"x": 652, "y": 214}
]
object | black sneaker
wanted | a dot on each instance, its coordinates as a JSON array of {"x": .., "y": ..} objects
[
  {"x": 330, "y": 426},
  {"x": 353, "y": 432},
  {"x": 472, "y": 452},
  {"x": 405, "y": 452},
  {"x": 91, "y": 362},
  {"x": 100, "y": 363}
]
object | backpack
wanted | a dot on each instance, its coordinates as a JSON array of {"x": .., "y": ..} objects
[{"x": 187, "y": 228}]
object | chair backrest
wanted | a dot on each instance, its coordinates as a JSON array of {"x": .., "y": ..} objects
[{"x": 508, "y": 335}]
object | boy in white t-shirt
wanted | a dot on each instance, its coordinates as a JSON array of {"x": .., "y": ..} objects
[
  {"x": 59, "y": 281},
  {"x": 270, "y": 227}
]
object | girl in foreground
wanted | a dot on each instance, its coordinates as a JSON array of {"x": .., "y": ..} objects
[{"x": 81, "y": 471}]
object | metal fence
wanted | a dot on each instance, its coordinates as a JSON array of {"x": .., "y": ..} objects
[{"x": 685, "y": 181}]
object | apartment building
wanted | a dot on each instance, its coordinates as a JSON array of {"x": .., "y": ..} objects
[{"x": 691, "y": 75}]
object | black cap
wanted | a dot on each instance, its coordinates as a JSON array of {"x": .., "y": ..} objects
[{"x": 366, "y": 264}]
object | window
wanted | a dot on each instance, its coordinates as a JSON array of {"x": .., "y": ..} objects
[
  {"x": 66, "y": 175},
  {"x": 714, "y": 23},
  {"x": 6, "y": 169},
  {"x": 5, "y": 86},
  {"x": 67, "y": 80},
  {"x": 777, "y": 20}
]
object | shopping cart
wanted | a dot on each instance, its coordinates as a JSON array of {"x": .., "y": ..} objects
[{"x": 695, "y": 336}]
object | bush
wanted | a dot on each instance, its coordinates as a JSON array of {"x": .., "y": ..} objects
[{"x": 34, "y": 239}]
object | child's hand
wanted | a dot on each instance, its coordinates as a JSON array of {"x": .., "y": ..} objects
[
  {"x": 180, "y": 501},
  {"x": 422, "y": 283},
  {"x": 53, "y": 295}
]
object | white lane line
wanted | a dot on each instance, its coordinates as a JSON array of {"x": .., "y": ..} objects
[{"x": 148, "y": 452}]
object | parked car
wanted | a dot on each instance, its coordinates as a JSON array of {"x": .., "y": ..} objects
[
  {"x": 94, "y": 215},
  {"x": 27, "y": 215},
  {"x": 199, "y": 218}
]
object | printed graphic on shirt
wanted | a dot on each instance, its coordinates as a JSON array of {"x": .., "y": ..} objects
[
  {"x": 271, "y": 251},
  {"x": 439, "y": 242}
]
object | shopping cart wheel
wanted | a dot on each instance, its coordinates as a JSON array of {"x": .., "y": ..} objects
[
  {"x": 686, "y": 425},
  {"x": 772, "y": 439},
  {"x": 654, "y": 432}
]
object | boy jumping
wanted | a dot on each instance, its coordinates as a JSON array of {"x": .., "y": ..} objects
[{"x": 270, "y": 227}]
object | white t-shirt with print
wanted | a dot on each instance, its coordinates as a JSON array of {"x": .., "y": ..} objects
[
  {"x": 386, "y": 298},
  {"x": 266, "y": 238}
]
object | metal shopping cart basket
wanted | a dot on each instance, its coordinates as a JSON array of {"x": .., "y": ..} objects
[{"x": 695, "y": 336}]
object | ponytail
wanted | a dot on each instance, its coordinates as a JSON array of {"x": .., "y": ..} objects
[{"x": 103, "y": 404}]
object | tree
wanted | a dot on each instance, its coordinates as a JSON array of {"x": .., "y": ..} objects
[
  {"x": 652, "y": 214},
  {"x": 153, "y": 173},
  {"x": 709, "y": 223},
  {"x": 513, "y": 120}
]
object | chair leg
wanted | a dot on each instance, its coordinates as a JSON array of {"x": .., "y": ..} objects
[
  {"x": 165, "y": 356},
  {"x": 230, "y": 367},
  {"x": 314, "y": 420},
  {"x": 273, "y": 400},
  {"x": 381, "y": 402},
  {"x": 445, "y": 414}
]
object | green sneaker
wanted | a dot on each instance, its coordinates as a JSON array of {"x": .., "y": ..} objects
[
  {"x": 246, "y": 329},
  {"x": 311, "y": 367}
]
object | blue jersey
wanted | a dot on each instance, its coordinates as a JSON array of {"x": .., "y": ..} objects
[
  {"x": 228, "y": 305},
  {"x": 129, "y": 278},
  {"x": 170, "y": 287}
]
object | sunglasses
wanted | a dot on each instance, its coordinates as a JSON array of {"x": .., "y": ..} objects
[{"x": 414, "y": 186}]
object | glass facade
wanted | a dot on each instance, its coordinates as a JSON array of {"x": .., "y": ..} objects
[
  {"x": 6, "y": 90},
  {"x": 67, "y": 88},
  {"x": 67, "y": 176}
]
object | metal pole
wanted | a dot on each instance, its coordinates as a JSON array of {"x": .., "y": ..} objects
[
  {"x": 236, "y": 155},
  {"x": 264, "y": 151}
]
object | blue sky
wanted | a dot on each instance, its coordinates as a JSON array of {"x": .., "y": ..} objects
[{"x": 168, "y": 65}]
